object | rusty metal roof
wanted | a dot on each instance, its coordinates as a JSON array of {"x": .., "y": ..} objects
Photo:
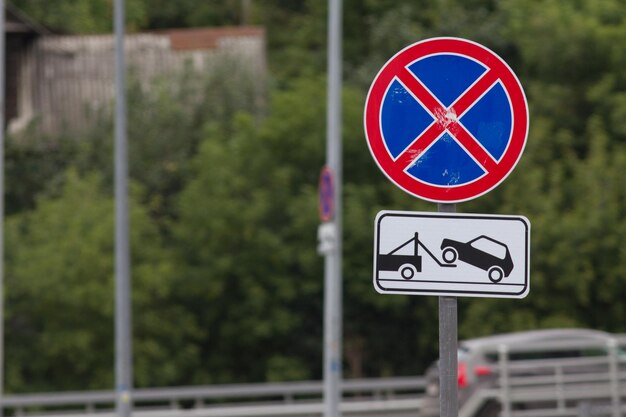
[{"x": 208, "y": 38}]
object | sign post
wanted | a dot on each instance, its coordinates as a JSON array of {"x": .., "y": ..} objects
[
  {"x": 448, "y": 346},
  {"x": 446, "y": 120},
  {"x": 331, "y": 215},
  {"x": 123, "y": 310}
]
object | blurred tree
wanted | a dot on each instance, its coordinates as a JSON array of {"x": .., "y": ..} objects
[
  {"x": 190, "y": 13},
  {"x": 95, "y": 16},
  {"x": 566, "y": 182},
  {"x": 247, "y": 261},
  {"x": 34, "y": 164},
  {"x": 246, "y": 238},
  {"x": 59, "y": 281},
  {"x": 83, "y": 16},
  {"x": 234, "y": 194}
]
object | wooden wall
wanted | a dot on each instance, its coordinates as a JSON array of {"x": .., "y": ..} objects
[{"x": 67, "y": 82}]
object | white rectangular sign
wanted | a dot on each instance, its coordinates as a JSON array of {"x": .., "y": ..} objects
[{"x": 453, "y": 254}]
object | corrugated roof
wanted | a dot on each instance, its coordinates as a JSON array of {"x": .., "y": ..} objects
[
  {"x": 208, "y": 38},
  {"x": 19, "y": 22}
]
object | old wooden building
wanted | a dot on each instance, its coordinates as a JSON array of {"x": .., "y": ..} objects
[
  {"x": 21, "y": 34},
  {"x": 59, "y": 82}
]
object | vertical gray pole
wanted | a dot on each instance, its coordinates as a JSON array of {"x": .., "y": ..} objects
[
  {"x": 332, "y": 261},
  {"x": 123, "y": 319},
  {"x": 505, "y": 389},
  {"x": 448, "y": 341},
  {"x": 616, "y": 404},
  {"x": 2, "y": 122}
]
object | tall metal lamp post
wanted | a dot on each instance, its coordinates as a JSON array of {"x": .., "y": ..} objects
[{"x": 123, "y": 316}]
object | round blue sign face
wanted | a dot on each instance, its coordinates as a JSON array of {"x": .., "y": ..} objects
[
  {"x": 326, "y": 195},
  {"x": 446, "y": 120},
  {"x": 446, "y": 162}
]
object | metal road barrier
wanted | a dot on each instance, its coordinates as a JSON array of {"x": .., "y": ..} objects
[
  {"x": 557, "y": 379},
  {"x": 390, "y": 397}
]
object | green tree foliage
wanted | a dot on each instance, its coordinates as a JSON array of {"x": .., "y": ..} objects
[
  {"x": 246, "y": 231},
  {"x": 169, "y": 116},
  {"x": 190, "y": 13},
  {"x": 168, "y": 120},
  {"x": 60, "y": 293},
  {"x": 95, "y": 16},
  {"x": 83, "y": 16},
  {"x": 33, "y": 164},
  {"x": 568, "y": 180},
  {"x": 246, "y": 234},
  {"x": 228, "y": 281}
]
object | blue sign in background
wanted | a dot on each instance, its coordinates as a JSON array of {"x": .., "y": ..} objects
[{"x": 326, "y": 195}]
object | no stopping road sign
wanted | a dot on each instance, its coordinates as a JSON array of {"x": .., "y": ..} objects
[{"x": 446, "y": 120}]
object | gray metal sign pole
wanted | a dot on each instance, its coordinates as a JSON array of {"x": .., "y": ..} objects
[
  {"x": 332, "y": 260},
  {"x": 2, "y": 122},
  {"x": 123, "y": 317},
  {"x": 448, "y": 341}
]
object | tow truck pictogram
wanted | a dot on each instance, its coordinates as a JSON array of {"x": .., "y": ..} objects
[
  {"x": 407, "y": 265},
  {"x": 482, "y": 252}
]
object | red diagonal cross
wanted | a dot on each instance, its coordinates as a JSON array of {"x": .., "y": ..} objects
[{"x": 446, "y": 119}]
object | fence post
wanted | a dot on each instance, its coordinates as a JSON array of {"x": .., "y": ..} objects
[
  {"x": 584, "y": 409},
  {"x": 505, "y": 391},
  {"x": 560, "y": 394},
  {"x": 614, "y": 376}
]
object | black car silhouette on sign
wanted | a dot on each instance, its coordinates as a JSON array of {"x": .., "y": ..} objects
[{"x": 482, "y": 252}]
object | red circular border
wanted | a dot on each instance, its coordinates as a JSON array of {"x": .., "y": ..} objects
[{"x": 519, "y": 108}]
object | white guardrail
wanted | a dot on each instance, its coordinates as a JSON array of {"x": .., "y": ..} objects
[
  {"x": 388, "y": 397},
  {"x": 557, "y": 379}
]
